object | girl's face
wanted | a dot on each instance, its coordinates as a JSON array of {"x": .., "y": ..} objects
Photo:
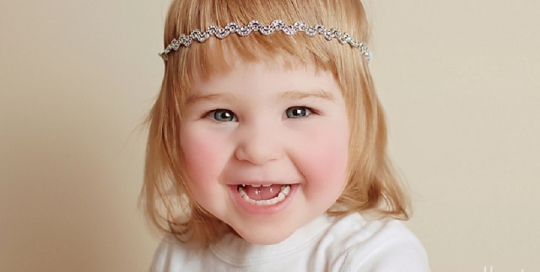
[{"x": 266, "y": 148}]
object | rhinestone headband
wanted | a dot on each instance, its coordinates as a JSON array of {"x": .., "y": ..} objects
[{"x": 277, "y": 25}]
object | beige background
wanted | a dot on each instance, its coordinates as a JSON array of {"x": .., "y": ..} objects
[{"x": 459, "y": 79}]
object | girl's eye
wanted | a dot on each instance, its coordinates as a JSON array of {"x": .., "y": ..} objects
[
  {"x": 222, "y": 115},
  {"x": 297, "y": 112}
]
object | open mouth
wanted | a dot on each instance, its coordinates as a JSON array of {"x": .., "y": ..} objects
[{"x": 264, "y": 195}]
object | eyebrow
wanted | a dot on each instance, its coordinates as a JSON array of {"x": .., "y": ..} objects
[
  {"x": 286, "y": 96},
  {"x": 298, "y": 95},
  {"x": 192, "y": 99}
]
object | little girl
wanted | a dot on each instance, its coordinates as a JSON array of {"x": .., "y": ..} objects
[{"x": 267, "y": 143}]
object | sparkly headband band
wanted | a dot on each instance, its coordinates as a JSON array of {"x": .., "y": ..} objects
[{"x": 277, "y": 25}]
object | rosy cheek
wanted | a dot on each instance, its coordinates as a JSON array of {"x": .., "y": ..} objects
[
  {"x": 326, "y": 157},
  {"x": 201, "y": 156}
]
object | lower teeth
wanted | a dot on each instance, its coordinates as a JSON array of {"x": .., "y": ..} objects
[{"x": 285, "y": 189}]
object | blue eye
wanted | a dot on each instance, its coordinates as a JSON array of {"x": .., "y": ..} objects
[
  {"x": 297, "y": 112},
  {"x": 222, "y": 115}
]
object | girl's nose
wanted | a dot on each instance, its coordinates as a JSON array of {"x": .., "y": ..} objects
[{"x": 259, "y": 145}]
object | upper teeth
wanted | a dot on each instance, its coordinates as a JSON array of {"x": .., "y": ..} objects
[{"x": 258, "y": 185}]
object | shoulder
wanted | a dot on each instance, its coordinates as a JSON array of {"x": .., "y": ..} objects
[
  {"x": 174, "y": 255},
  {"x": 377, "y": 245}
]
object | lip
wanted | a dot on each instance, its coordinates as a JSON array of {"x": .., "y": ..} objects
[{"x": 261, "y": 210}]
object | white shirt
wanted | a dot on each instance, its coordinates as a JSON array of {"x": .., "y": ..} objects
[{"x": 350, "y": 243}]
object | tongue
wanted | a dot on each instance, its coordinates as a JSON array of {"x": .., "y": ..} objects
[{"x": 262, "y": 193}]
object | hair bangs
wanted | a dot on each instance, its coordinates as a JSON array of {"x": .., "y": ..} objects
[{"x": 221, "y": 56}]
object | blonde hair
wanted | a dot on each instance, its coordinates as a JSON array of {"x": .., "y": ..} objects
[{"x": 372, "y": 185}]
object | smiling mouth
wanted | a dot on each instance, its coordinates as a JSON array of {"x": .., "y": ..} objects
[{"x": 264, "y": 195}]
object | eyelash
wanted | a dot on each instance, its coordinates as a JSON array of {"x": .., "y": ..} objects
[{"x": 212, "y": 114}]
